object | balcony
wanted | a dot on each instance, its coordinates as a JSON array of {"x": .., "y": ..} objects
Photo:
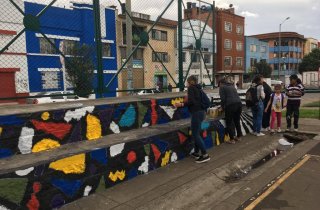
[{"x": 285, "y": 49}]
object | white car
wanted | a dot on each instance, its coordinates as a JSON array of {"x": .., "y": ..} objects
[
  {"x": 54, "y": 97},
  {"x": 147, "y": 92}
]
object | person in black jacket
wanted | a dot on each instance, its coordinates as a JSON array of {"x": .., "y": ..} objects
[
  {"x": 231, "y": 104},
  {"x": 266, "y": 115},
  {"x": 197, "y": 117}
]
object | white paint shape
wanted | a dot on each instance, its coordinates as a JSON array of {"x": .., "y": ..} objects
[
  {"x": 87, "y": 190},
  {"x": 169, "y": 110},
  {"x": 78, "y": 113},
  {"x": 116, "y": 149},
  {"x": 223, "y": 122},
  {"x": 145, "y": 165},
  {"x": 24, "y": 172},
  {"x": 145, "y": 125},
  {"x": 3, "y": 208},
  {"x": 25, "y": 140},
  {"x": 174, "y": 157},
  {"x": 114, "y": 127}
]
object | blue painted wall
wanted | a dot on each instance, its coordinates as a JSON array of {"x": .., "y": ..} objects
[
  {"x": 258, "y": 54},
  {"x": 77, "y": 22}
]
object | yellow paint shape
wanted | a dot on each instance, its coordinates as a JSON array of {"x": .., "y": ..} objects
[
  {"x": 117, "y": 175},
  {"x": 176, "y": 101},
  {"x": 45, "y": 116},
  {"x": 45, "y": 144},
  {"x": 166, "y": 159},
  {"x": 94, "y": 130},
  {"x": 70, "y": 165},
  {"x": 1, "y": 129},
  {"x": 217, "y": 139}
]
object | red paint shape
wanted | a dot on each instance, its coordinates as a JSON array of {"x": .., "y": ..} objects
[
  {"x": 59, "y": 130},
  {"x": 33, "y": 203},
  {"x": 9, "y": 69},
  {"x": 156, "y": 152},
  {"x": 182, "y": 138},
  {"x": 36, "y": 187},
  {"x": 154, "y": 114},
  {"x": 131, "y": 157},
  {"x": 205, "y": 134}
]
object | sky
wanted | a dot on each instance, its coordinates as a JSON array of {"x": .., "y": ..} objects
[{"x": 262, "y": 16}]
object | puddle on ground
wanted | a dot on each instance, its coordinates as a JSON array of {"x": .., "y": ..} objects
[{"x": 293, "y": 138}]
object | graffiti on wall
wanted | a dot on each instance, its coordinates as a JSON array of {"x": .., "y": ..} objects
[{"x": 23, "y": 134}]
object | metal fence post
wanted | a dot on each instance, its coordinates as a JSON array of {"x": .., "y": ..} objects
[
  {"x": 129, "y": 44},
  {"x": 97, "y": 26},
  {"x": 180, "y": 47},
  {"x": 214, "y": 44}
]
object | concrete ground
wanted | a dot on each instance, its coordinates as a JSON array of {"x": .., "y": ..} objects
[{"x": 187, "y": 185}]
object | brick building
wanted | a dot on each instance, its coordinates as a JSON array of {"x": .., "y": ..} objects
[
  {"x": 291, "y": 52},
  {"x": 230, "y": 39}
]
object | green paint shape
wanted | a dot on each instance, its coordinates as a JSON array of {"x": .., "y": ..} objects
[
  {"x": 13, "y": 189},
  {"x": 213, "y": 136},
  {"x": 142, "y": 112},
  {"x": 101, "y": 185},
  {"x": 147, "y": 149}
]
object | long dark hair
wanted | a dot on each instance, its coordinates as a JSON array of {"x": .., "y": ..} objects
[{"x": 257, "y": 79}]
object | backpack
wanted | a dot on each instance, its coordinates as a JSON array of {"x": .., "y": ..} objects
[
  {"x": 282, "y": 98},
  {"x": 252, "y": 96},
  {"x": 205, "y": 101}
]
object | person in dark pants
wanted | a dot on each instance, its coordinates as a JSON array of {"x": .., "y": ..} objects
[
  {"x": 197, "y": 117},
  {"x": 294, "y": 91},
  {"x": 266, "y": 115},
  {"x": 231, "y": 104}
]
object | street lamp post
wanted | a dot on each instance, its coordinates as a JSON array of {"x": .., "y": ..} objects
[{"x": 280, "y": 48}]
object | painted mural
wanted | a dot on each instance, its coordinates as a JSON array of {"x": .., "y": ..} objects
[{"x": 60, "y": 182}]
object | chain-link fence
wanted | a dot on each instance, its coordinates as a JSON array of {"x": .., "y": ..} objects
[{"x": 66, "y": 50}]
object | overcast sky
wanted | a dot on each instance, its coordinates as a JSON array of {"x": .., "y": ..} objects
[{"x": 262, "y": 16}]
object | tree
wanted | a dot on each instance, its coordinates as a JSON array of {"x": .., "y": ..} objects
[
  {"x": 310, "y": 62},
  {"x": 80, "y": 70},
  {"x": 263, "y": 68}
]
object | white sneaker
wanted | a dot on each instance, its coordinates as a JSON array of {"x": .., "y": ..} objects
[
  {"x": 260, "y": 134},
  {"x": 254, "y": 133},
  {"x": 264, "y": 129},
  {"x": 272, "y": 131},
  {"x": 279, "y": 130},
  {"x": 296, "y": 130},
  {"x": 268, "y": 129}
]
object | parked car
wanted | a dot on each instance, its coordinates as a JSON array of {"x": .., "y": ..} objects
[
  {"x": 53, "y": 97},
  {"x": 147, "y": 92}
]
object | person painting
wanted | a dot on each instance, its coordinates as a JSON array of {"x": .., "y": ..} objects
[
  {"x": 266, "y": 115},
  {"x": 277, "y": 102},
  {"x": 197, "y": 117},
  {"x": 294, "y": 91},
  {"x": 232, "y": 106},
  {"x": 257, "y": 109}
]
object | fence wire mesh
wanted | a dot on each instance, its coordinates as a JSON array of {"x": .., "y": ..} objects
[{"x": 65, "y": 50}]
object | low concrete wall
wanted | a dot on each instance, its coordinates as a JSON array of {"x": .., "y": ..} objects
[{"x": 89, "y": 153}]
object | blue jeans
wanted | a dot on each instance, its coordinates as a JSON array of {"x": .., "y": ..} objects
[
  {"x": 257, "y": 112},
  {"x": 196, "y": 121}
]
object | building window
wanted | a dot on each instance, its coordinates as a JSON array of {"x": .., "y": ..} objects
[
  {"x": 253, "y": 48},
  {"x": 46, "y": 47},
  {"x": 239, "y": 46},
  {"x": 253, "y": 62},
  {"x": 184, "y": 57},
  {"x": 160, "y": 57},
  {"x": 227, "y": 61},
  {"x": 50, "y": 80},
  {"x": 239, "y": 62},
  {"x": 106, "y": 50},
  {"x": 227, "y": 44},
  {"x": 69, "y": 47},
  {"x": 195, "y": 57},
  {"x": 159, "y": 35},
  {"x": 227, "y": 26},
  {"x": 263, "y": 49},
  {"x": 239, "y": 29},
  {"x": 137, "y": 55},
  {"x": 207, "y": 58}
]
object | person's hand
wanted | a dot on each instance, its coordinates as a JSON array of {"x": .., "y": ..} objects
[
  {"x": 220, "y": 109},
  {"x": 266, "y": 110}
]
